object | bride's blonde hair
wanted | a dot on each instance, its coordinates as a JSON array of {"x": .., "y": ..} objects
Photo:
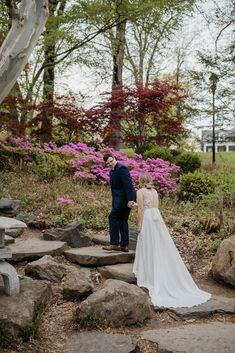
[{"x": 145, "y": 180}]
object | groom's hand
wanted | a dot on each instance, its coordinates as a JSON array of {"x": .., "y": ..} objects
[{"x": 131, "y": 204}]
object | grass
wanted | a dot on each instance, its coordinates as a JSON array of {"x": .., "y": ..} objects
[
  {"x": 222, "y": 160},
  {"x": 91, "y": 204}
]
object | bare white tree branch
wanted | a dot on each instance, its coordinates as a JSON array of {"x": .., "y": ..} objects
[{"x": 28, "y": 21}]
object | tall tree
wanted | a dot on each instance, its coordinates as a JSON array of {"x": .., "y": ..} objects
[{"x": 28, "y": 20}]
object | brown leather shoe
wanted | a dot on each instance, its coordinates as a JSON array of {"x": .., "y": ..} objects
[
  {"x": 111, "y": 248},
  {"x": 124, "y": 248}
]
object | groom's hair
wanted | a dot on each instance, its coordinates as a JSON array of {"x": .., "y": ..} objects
[{"x": 106, "y": 157}]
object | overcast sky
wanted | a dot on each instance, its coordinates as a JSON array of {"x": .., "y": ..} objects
[{"x": 195, "y": 31}]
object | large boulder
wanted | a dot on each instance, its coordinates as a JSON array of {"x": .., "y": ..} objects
[
  {"x": 9, "y": 207},
  {"x": 72, "y": 234},
  {"x": 120, "y": 303},
  {"x": 46, "y": 268},
  {"x": 77, "y": 284},
  {"x": 122, "y": 272},
  {"x": 17, "y": 312},
  {"x": 223, "y": 267}
]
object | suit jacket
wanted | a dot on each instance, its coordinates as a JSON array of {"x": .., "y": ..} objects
[{"x": 121, "y": 186}]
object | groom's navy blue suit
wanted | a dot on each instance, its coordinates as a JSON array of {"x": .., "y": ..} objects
[{"x": 122, "y": 192}]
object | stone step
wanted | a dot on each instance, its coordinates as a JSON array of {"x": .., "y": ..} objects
[
  {"x": 216, "y": 304},
  {"x": 90, "y": 342},
  {"x": 96, "y": 256},
  {"x": 105, "y": 239},
  {"x": 34, "y": 248},
  {"x": 122, "y": 272},
  {"x": 213, "y": 337}
]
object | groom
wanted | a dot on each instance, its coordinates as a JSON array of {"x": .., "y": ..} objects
[{"x": 123, "y": 199}]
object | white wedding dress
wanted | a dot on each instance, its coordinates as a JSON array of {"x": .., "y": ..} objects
[{"x": 158, "y": 265}]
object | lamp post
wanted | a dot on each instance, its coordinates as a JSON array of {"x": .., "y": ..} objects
[{"x": 213, "y": 83}]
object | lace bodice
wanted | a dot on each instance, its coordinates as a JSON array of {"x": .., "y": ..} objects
[{"x": 150, "y": 198}]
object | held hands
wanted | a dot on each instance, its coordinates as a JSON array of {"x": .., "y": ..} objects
[{"x": 131, "y": 204}]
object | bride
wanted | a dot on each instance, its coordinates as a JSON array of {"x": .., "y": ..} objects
[{"x": 158, "y": 265}]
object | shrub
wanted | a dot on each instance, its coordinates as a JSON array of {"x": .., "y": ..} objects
[
  {"x": 48, "y": 166},
  {"x": 188, "y": 161},
  {"x": 193, "y": 185},
  {"x": 90, "y": 320},
  {"x": 196, "y": 228},
  {"x": 214, "y": 245},
  {"x": 158, "y": 152},
  {"x": 143, "y": 149}
]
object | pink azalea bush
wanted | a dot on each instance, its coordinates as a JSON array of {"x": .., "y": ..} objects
[{"x": 87, "y": 163}]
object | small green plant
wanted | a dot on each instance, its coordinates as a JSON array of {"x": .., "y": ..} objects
[
  {"x": 200, "y": 248},
  {"x": 90, "y": 320},
  {"x": 7, "y": 339},
  {"x": 188, "y": 161},
  {"x": 196, "y": 227},
  {"x": 31, "y": 329},
  {"x": 170, "y": 220},
  {"x": 214, "y": 245},
  {"x": 179, "y": 228}
]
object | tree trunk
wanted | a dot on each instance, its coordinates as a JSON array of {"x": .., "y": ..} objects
[
  {"x": 56, "y": 7},
  {"x": 118, "y": 60},
  {"x": 28, "y": 22}
]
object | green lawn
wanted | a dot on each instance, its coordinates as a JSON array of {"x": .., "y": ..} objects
[{"x": 222, "y": 159}]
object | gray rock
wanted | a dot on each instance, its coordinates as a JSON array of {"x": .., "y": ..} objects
[
  {"x": 122, "y": 272},
  {"x": 120, "y": 303},
  {"x": 46, "y": 268},
  {"x": 215, "y": 337},
  {"x": 9, "y": 239},
  {"x": 215, "y": 305},
  {"x": 77, "y": 284},
  {"x": 11, "y": 223},
  {"x": 31, "y": 220},
  {"x": 14, "y": 232},
  {"x": 105, "y": 240},
  {"x": 71, "y": 233},
  {"x": 35, "y": 248},
  {"x": 9, "y": 207},
  {"x": 100, "y": 239},
  {"x": 96, "y": 256},
  {"x": 223, "y": 268},
  {"x": 95, "y": 342},
  {"x": 17, "y": 311}
]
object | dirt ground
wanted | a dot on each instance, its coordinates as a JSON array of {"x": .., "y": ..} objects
[{"x": 58, "y": 326}]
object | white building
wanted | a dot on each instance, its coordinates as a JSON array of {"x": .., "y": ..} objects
[{"x": 224, "y": 140}]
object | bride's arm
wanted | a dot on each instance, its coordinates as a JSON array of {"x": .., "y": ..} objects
[{"x": 140, "y": 211}]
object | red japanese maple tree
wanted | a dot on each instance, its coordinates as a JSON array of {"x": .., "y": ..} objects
[{"x": 147, "y": 115}]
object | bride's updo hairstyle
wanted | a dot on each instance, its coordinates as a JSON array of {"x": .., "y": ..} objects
[{"x": 145, "y": 181}]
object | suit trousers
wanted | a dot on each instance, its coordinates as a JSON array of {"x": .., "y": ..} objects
[{"x": 118, "y": 223}]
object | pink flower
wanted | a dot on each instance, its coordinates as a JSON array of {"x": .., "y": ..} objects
[{"x": 63, "y": 200}]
